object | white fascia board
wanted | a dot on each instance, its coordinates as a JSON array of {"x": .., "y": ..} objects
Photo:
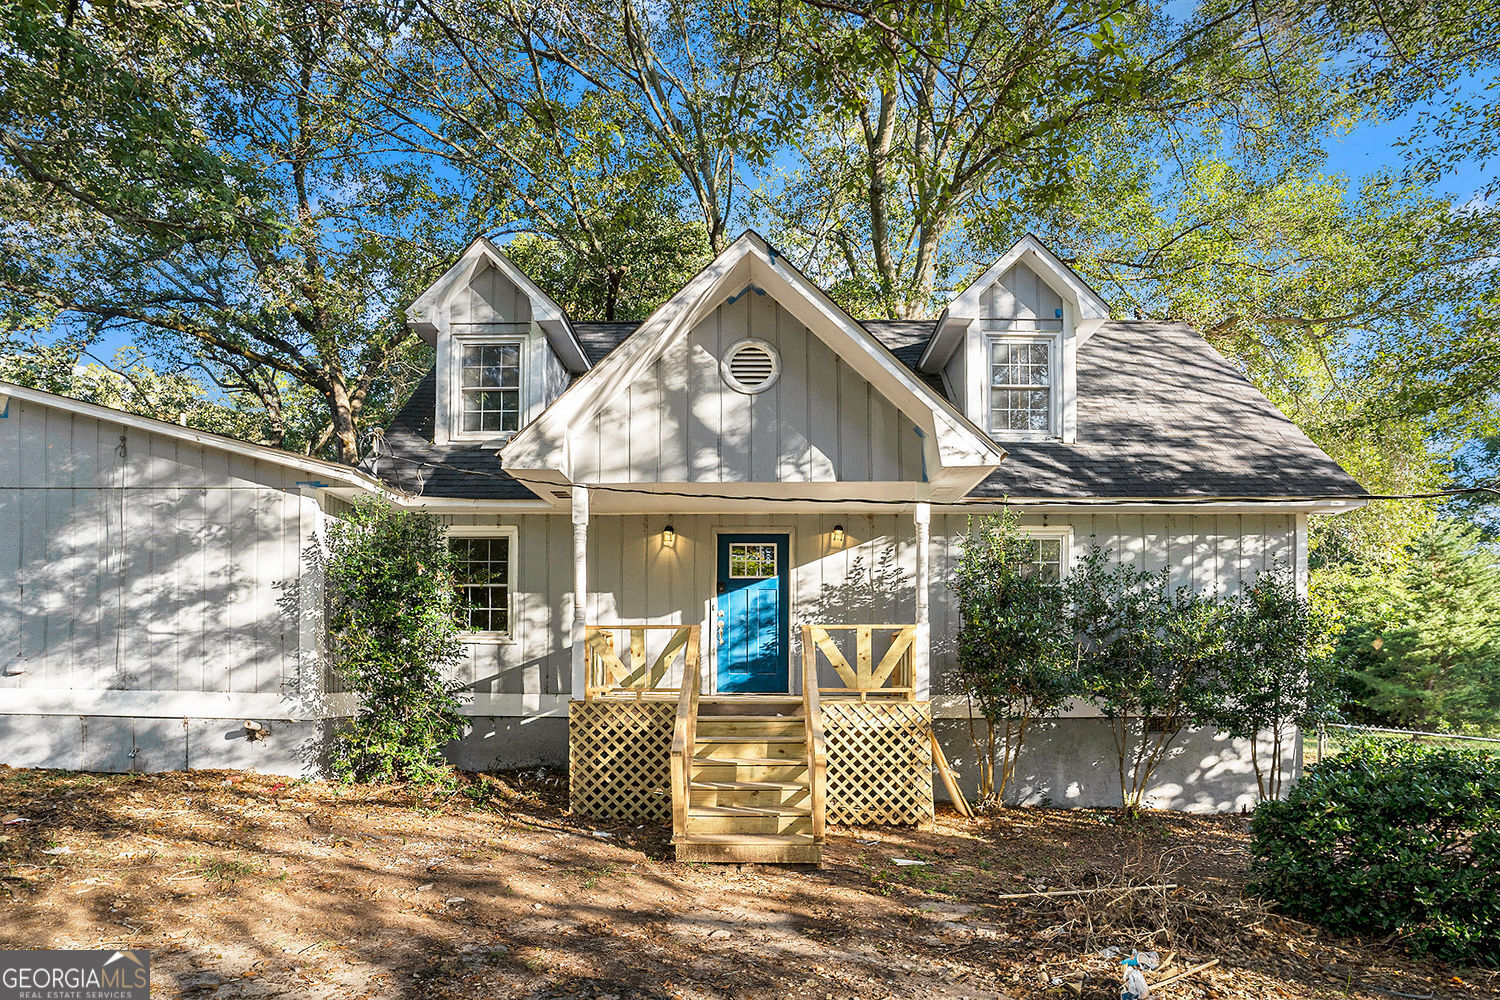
[
  {"x": 262, "y": 707},
  {"x": 1062, "y": 279},
  {"x": 762, "y": 497},
  {"x": 424, "y": 312},
  {"x": 463, "y": 505},
  {"x": 261, "y": 453}
]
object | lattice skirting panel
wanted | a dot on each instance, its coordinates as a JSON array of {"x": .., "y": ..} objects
[
  {"x": 619, "y": 755},
  {"x": 879, "y": 762}
]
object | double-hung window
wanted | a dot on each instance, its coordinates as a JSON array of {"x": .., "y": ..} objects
[
  {"x": 1021, "y": 385},
  {"x": 490, "y": 388},
  {"x": 1045, "y": 553},
  {"x": 484, "y": 562}
]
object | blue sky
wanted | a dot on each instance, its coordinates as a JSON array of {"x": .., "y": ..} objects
[{"x": 1372, "y": 147}]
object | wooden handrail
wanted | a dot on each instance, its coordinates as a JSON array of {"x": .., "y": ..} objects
[
  {"x": 685, "y": 736},
  {"x": 606, "y": 673},
  {"x": 817, "y": 751},
  {"x": 895, "y": 674}
]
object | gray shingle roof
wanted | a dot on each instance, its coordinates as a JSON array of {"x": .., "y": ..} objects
[
  {"x": 411, "y": 462},
  {"x": 1161, "y": 414},
  {"x": 598, "y": 339}
]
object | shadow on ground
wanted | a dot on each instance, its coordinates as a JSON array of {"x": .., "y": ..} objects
[{"x": 244, "y": 885}]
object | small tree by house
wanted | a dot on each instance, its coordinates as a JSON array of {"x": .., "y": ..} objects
[
  {"x": 392, "y": 629},
  {"x": 1013, "y": 660},
  {"x": 1280, "y": 674},
  {"x": 1151, "y": 660}
]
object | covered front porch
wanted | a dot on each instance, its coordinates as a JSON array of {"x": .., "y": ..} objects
[{"x": 752, "y": 776}]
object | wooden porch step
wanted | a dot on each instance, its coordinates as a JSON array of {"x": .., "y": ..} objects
[
  {"x": 771, "y": 728},
  {"x": 750, "y": 761},
  {"x": 751, "y": 786},
  {"x": 749, "y": 718},
  {"x": 750, "y": 699},
  {"x": 749, "y": 738},
  {"x": 766, "y": 848},
  {"x": 749, "y": 811}
]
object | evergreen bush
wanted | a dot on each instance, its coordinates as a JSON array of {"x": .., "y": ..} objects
[
  {"x": 392, "y": 634},
  {"x": 1394, "y": 838},
  {"x": 1014, "y": 660}
]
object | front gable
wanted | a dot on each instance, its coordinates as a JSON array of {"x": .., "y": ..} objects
[
  {"x": 840, "y": 419},
  {"x": 816, "y": 420}
]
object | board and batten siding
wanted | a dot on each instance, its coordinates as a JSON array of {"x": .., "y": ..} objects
[
  {"x": 1019, "y": 299},
  {"x": 1210, "y": 552},
  {"x": 135, "y": 562},
  {"x": 635, "y": 579},
  {"x": 535, "y": 659},
  {"x": 679, "y": 422}
]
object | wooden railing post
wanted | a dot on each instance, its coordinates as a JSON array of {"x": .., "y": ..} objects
[
  {"x": 817, "y": 752},
  {"x": 685, "y": 736}
]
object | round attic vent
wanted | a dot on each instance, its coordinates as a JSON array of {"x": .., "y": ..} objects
[{"x": 751, "y": 366}]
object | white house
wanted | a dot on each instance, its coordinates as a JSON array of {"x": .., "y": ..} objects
[{"x": 666, "y": 527}]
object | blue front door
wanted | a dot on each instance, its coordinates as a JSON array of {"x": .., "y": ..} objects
[{"x": 750, "y": 613}]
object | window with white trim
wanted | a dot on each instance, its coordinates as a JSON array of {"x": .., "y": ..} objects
[
  {"x": 490, "y": 388},
  {"x": 1048, "y": 553},
  {"x": 1021, "y": 385},
  {"x": 483, "y": 575}
]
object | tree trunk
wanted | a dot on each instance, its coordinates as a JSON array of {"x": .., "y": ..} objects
[{"x": 345, "y": 436}]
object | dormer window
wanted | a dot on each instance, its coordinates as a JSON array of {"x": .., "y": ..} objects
[
  {"x": 491, "y": 388},
  {"x": 1007, "y": 346},
  {"x": 1021, "y": 385}
]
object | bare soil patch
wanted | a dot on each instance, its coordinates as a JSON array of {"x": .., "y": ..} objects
[{"x": 245, "y": 885}]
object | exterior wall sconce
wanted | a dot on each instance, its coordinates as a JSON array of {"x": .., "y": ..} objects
[
  {"x": 668, "y": 536},
  {"x": 838, "y": 536}
]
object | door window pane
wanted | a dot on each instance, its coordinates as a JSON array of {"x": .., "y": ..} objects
[{"x": 754, "y": 561}]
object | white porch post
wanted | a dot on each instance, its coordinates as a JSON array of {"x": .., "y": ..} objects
[
  {"x": 922, "y": 515},
  {"x": 580, "y": 584}
]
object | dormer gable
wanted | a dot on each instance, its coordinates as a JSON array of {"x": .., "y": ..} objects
[
  {"x": 1007, "y": 345},
  {"x": 504, "y": 348}
]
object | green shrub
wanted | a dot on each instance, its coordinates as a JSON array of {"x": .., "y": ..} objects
[
  {"x": 392, "y": 631},
  {"x": 1391, "y": 839},
  {"x": 1014, "y": 658}
]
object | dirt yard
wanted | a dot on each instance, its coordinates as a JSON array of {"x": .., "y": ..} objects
[{"x": 249, "y": 886}]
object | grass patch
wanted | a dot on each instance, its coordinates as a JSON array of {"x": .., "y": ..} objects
[{"x": 223, "y": 871}]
